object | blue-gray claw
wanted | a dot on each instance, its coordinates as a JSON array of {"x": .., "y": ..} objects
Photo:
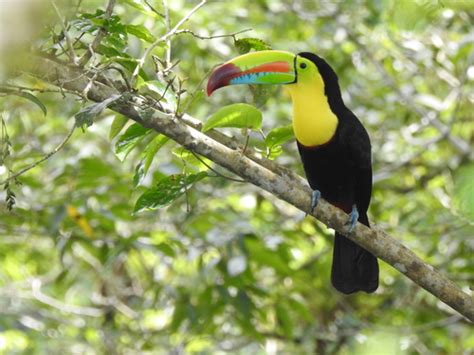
[
  {"x": 353, "y": 218},
  {"x": 315, "y": 196}
]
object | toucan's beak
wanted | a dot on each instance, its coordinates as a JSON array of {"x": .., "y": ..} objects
[{"x": 264, "y": 67}]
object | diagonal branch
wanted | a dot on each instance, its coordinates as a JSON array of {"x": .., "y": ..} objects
[{"x": 278, "y": 181}]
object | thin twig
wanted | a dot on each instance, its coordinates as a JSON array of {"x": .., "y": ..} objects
[
  {"x": 164, "y": 38},
  {"x": 122, "y": 74},
  {"x": 72, "y": 53},
  {"x": 100, "y": 35},
  {"x": 215, "y": 171},
  {"x": 168, "y": 29},
  {"x": 186, "y": 31},
  {"x": 178, "y": 93},
  {"x": 186, "y": 193},
  {"x": 21, "y": 88},
  {"x": 153, "y": 9},
  {"x": 44, "y": 158}
]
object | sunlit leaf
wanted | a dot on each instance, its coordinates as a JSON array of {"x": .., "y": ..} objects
[
  {"x": 152, "y": 148},
  {"x": 117, "y": 125},
  {"x": 279, "y": 136},
  {"x": 236, "y": 116},
  {"x": 140, "y": 32}
]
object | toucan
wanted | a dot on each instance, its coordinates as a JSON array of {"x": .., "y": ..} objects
[{"x": 333, "y": 144}]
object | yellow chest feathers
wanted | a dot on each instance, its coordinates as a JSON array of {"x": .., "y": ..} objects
[{"x": 313, "y": 121}]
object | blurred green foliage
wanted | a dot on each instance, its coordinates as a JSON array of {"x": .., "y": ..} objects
[{"x": 226, "y": 268}]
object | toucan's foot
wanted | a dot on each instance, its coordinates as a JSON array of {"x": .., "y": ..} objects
[
  {"x": 353, "y": 218},
  {"x": 315, "y": 196}
]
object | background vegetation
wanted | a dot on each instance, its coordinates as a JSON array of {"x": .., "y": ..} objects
[{"x": 96, "y": 258}]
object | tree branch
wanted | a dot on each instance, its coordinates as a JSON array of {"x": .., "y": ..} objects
[{"x": 279, "y": 181}]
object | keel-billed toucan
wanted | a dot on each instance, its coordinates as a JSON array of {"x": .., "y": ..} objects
[{"x": 333, "y": 144}]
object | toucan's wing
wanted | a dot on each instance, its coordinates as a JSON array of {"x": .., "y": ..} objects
[{"x": 358, "y": 150}]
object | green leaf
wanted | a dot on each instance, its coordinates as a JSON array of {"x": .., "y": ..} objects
[
  {"x": 117, "y": 41},
  {"x": 166, "y": 249},
  {"x": 33, "y": 99},
  {"x": 97, "y": 13},
  {"x": 109, "y": 52},
  {"x": 152, "y": 148},
  {"x": 27, "y": 96},
  {"x": 166, "y": 191},
  {"x": 139, "y": 174},
  {"x": 237, "y": 116},
  {"x": 117, "y": 125},
  {"x": 179, "y": 314},
  {"x": 147, "y": 157},
  {"x": 464, "y": 190},
  {"x": 87, "y": 115},
  {"x": 279, "y": 135},
  {"x": 113, "y": 25},
  {"x": 140, "y": 32},
  {"x": 127, "y": 141},
  {"x": 284, "y": 319},
  {"x": 245, "y": 45}
]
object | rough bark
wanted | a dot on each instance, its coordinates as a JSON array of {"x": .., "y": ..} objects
[{"x": 267, "y": 175}]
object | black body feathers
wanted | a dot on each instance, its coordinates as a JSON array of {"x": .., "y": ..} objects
[{"x": 342, "y": 171}]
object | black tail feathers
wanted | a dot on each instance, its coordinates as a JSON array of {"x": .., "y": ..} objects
[{"x": 353, "y": 268}]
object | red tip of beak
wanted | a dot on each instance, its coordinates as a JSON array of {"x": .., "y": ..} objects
[{"x": 221, "y": 76}]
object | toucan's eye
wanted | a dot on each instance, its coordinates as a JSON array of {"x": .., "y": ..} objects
[{"x": 303, "y": 65}]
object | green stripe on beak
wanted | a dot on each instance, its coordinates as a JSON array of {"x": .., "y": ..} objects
[{"x": 264, "y": 67}]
